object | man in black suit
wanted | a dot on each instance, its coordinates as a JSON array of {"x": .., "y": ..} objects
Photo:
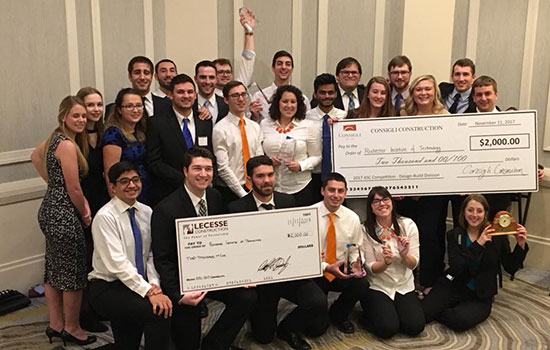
[
  {"x": 350, "y": 92},
  {"x": 457, "y": 96},
  {"x": 195, "y": 198},
  {"x": 170, "y": 134},
  {"x": 310, "y": 315},
  {"x": 205, "y": 77},
  {"x": 399, "y": 75}
]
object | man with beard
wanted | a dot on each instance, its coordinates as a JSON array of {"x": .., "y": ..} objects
[
  {"x": 205, "y": 77},
  {"x": 324, "y": 91},
  {"x": 399, "y": 74},
  {"x": 170, "y": 134},
  {"x": 310, "y": 315},
  {"x": 165, "y": 71}
]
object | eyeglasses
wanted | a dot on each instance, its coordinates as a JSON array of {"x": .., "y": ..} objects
[
  {"x": 349, "y": 72},
  {"x": 126, "y": 180},
  {"x": 400, "y": 72},
  {"x": 130, "y": 107},
  {"x": 237, "y": 95},
  {"x": 385, "y": 200},
  {"x": 224, "y": 72}
]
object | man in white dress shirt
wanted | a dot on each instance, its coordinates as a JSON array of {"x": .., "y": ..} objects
[
  {"x": 282, "y": 66},
  {"x": 205, "y": 77},
  {"x": 124, "y": 282},
  {"x": 399, "y": 75},
  {"x": 325, "y": 90},
  {"x": 228, "y": 138},
  {"x": 341, "y": 236},
  {"x": 165, "y": 70}
]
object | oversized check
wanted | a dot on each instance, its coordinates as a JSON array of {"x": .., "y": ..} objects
[
  {"x": 227, "y": 251},
  {"x": 443, "y": 154}
]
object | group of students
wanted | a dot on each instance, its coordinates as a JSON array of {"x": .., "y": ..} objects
[{"x": 176, "y": 153}]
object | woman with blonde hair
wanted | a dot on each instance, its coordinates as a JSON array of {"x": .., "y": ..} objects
[
  {"x": 61, "y": 161},
  {"x": 429, "y": 212},
  {"x": 124, "y": 138},
  {"x": 376, "y": 101}
]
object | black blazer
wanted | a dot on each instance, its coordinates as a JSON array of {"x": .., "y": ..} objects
[
  {"x": 447, "y": 88},
  {"x": 165, "y": 149},
  {"x": 338, "y": 100},
  {"x": 492, "y": 255},
  {"x": 163, "y": 231},
  {"x": 223, "y": 108},
  {"x": 247, "y": 203}
]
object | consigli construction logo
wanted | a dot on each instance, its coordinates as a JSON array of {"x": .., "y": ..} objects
[{"x": 350, "y": 127}]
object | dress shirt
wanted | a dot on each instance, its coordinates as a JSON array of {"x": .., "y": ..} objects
[
  {"x": 345, "y": 98},
  {"x": 348, "y": 229},
  {"x": 397, "y": 278},
  {"x": 394, "y": 93},
  {"x": 190, "y": 123},
  {"x": 114, "y": 246},
  {"x": 495, "y": 110},
  {"x": 195, "y": 200},
  {"x": 316, "y": 115},
  {"x": 306, "y": 136},
  {"x": 213, "y": 106},
  {"x": 226, "y": 139},
  {"x": 244, "y": 71},
  {"x": 159, "y": 93},
  {"x": 148, "y": 101},
  {"x": 259, "y": 202},
  {"x": 462, "y": 104},
  {"x": 269, "y": 92}
]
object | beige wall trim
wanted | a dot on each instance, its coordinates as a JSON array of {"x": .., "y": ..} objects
[
  {"x": 297, "y": 6},
  {"x": 72, "y": 45},
  {"x": 237, "y": 33},
  {"x": 97, "y": 43},
  {"x": 14, "y": 157},
  {"x": 538, "y": 240},
  {"x": 322, "y": 36},
  {"x": 148, "y": 29},
  {"x": 378, "y": 51},
  {"x": 473, "y": 24},
  {"x": 528, "y": 54},
  {"x": 22, "y": 190},
  {"x": 547, "y": 124},
  {"x": 21, "y": 262}
]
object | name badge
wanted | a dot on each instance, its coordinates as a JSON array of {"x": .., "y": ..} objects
[{"x": 203, "y": 141}]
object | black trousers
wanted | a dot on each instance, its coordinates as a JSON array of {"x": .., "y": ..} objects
[
  {"x": 310, "y": 315},
  {"x": 352, "y": 290},
  {"x": 316, "y": 187},
  {"x": 130, "y": 316},
  {"x": 304, "y": 197},
  {"x": 186, "y": 321},
  {"x": 431, "y": 215},
  {"x": 457, "y": 308},
  {"x": 385, "y": 317}
]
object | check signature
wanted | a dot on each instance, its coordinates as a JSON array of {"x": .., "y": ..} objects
[{"x": 274, "y": 264}]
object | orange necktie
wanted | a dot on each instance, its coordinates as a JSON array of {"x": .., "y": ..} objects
[
  {"x": 246, "y": 151},
  {"x": 331, "y": 245}
]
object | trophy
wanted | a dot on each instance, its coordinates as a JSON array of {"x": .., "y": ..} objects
[
  {"x": 351, "y": 248},
  {"x": 504, "y": 224}
]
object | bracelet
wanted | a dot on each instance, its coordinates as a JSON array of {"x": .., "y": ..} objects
[{"x": 248, "y": 33}]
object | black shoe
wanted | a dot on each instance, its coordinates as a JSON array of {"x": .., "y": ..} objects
[
  {"x": 52, "y": 333},
  {"x": 294, "y": 340},
  {"x": 68, "y": 337},
  {"x": 204, "y": 309},
  {"x": 345, "y": 326},
  {"x": 92, "y": 324}
]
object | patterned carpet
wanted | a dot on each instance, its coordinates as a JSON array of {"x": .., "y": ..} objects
[{"x": 520, "y": 320}]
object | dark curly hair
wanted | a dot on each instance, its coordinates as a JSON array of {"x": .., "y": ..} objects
[{"x": 274, "y": 111}]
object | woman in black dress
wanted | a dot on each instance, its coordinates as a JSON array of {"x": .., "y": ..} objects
[
  {"x": 93, "y": 186},
  {"x": 61, "y": 160}
]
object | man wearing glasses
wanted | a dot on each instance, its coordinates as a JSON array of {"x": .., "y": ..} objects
[
  {"x": 350, "y": 92},
  {"x": 236, "y": 139},
  {"x": 399, "y": 74},
  {"x": 125, "y": 286}
]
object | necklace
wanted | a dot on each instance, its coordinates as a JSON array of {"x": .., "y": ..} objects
[{"x": 284, "y": 131}]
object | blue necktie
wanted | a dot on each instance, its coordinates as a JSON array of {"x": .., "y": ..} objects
[
  {"x": 326, "y": 163},
  {"x": 351, "y": 104},
  {"x": 398, "y": 101},
  {"x": 138, "y": 242},
  {"x": 187, "y": 134}
]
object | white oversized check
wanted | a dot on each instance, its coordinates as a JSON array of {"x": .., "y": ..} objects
[
  {"x": 227, "y": 251},
  {"x": 442, "y": 154}
]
